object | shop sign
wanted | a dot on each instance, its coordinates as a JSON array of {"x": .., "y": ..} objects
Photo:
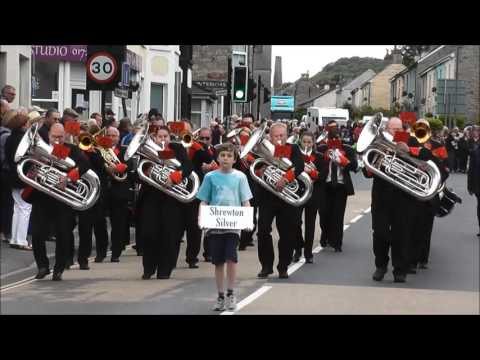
[{"x": 73, "y": 53}]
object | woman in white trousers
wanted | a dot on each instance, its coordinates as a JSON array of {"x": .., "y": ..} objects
[{"x": 21, "y": 217}]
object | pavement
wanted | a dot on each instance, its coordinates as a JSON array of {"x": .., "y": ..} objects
[{"x": 337, "y": 283}]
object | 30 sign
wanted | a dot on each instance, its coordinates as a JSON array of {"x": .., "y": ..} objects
[{"x": 103, "y": 67}]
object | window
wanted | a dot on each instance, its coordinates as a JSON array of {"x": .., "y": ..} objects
[
  {"x": 196, "y": 113},
  {"x": 156, "y": 97},
  {"x": 45, "y": 83}
]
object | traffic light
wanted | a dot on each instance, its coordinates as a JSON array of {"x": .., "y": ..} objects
[
  {"x": 266, "y": 95},
  {"x": 240, "y": 84},
  {"x": 252, "y": 90}
]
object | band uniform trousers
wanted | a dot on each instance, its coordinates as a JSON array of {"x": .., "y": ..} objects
[
  {"x": 189, "y": 223},
  {"x": 160, "y": 231},
  {"x": 422, "y": 216},
  {"x": 246, "y": 237},
  {"x": 117, "y": 202},
  {"x": 287, "y": 218},
  {"x": 45, "y": 212},
  {"x": 391, "y": 225},
  {"x": 332, "y": 213},
  {"x": 89, "y": 221},
  {"x": 311, "y": 209}
]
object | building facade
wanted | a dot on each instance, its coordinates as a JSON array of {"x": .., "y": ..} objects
[{"x": 15, "y": 70}]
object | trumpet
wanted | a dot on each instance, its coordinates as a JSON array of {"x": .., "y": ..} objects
[
  {"x": 89, "y": 141},
  {"x": 421, "y": 131}
]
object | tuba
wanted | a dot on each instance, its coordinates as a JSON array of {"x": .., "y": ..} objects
[
  {"x": 421, "y": 179},
  {"x": 421, "y": 131},
  {"x": 35, "y": 154},
  {"x": 295, "y": 193},
  {"x": 143, "y": 146}
]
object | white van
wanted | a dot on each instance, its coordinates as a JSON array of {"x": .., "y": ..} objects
[{"x": 321, "y": 116}]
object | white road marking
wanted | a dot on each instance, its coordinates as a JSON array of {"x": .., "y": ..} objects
[
  {"x": 355, "y": 219},
  {"x": 292, "y": 268},
  {"x": 31, "y": 279},
  {"x": 248, "y": 299}
]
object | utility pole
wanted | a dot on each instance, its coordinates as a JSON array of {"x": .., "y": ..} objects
[{"x": 259, "y": 87}]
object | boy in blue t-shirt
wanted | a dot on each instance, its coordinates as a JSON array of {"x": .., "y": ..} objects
[{"x": 225, "y": 187}]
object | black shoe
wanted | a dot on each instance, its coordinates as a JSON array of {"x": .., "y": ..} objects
[
  {"x": 379, "y": 274},
  {"x": 297, "y": 256},
  {"x": 208, "y": 259},
  {"x": 99, "y": 259},
  {"x": 84, "y": 266},
  {"x": 423, "y": 266},
  {"x": 146, "y": 276},
  {"x": 251, "y": 244},
  {"x": 242, "y": 247},
  {"x": 192, "y": 265},
  {"x": 163, "y": 277},
  {"x": 412, "y": 271},
  {"x": 263, "y": 274},
  {"x": 399, "y": 278},
  {"x": 323, "y": 244},
  {"x": 68, "y": 264},
  {"x": 115, "y": 259},
  {"x": 42, "y": 273},
  {"x": 478, "y": 234},
  {"x": 139, "y": 252},
  {"x": 338, "y": 249},
  {"x": 309, "y": 260},
  {"x": 283, "y": 275},
  {"x": 57, "y": 276}
]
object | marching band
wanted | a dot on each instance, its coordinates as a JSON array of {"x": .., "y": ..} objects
[{"x": 156, "y": 176}]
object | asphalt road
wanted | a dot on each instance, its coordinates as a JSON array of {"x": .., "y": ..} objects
[{"x": 337, "y": 283}]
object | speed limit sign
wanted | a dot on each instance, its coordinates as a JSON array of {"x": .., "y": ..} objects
[{"x": 102, "y": 67}]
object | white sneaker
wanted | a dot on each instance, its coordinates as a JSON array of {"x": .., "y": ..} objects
[
  {"x": 219, "y": 305},
  {"x": 231, "y": 302}
]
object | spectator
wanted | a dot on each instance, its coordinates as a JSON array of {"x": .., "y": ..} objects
[
  {"x": 6, "y": 200},
  {"x": 462, "y": 152},
  {"x": 124, "y": 128},
  {"x": 217, "y": 132},
  {"x": 154, "y": 115},
  {"x": 52, "y": 116},
  {"x": 69, "y": 114},
  {"x": 97, "y": 117},
  {"x": 452, "y": 147},
  {"x": 21, "y": 209},
  {"x": 4, "y": 107},
  {"x": 8, "y": 93},
  {"x": 473, "y": 183}
]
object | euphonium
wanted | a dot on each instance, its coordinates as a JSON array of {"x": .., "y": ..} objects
[
  {"x": 35, "y": 156},
  {"x": 160, "y": 169},
  {"x": 421, "y": 179},
  {"x": 295, "y": 193}
]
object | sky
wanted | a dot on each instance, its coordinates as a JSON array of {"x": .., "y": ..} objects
[{"x": 298, "y": 59}]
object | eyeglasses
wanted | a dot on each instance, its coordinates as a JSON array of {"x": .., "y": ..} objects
[{"x": 204, "y": 138}]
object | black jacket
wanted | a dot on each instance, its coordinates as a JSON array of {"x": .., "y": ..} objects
[
  {"x": 351, "y": 166},
  {"x": 11, "y": 146},
  {"x": 473, "y": 182},
  {"x": 205, "y": 155}
]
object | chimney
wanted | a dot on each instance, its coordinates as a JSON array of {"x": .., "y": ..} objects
[{"x": 277, "y": 76}]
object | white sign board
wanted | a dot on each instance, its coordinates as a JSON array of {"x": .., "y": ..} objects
[{"x": 225, "y": 217}]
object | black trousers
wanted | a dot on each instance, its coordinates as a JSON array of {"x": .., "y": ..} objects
[
  {"x": 311, "y": 209},
  {"x": 246, "y": 237},
  {"x": 478, "y": 210},
  {"x": 46, "y": 212},
  {"x": 391, "y": 227},
  {"x": 89, "y": 221},
  {"x": 332, "y": 213},
  {"x": 420, "y": 233},
  {"x": 120, "y": 225},
  {"x": 194, "y": 233},
  {"x": 287, "y": 221},
  {"x": 138, "y": 224},
  {"x": 6, "y": 205},
  {"x": 160, "y": 232}
]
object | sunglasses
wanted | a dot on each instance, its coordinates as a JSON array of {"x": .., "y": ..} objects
[{"x": 204, "y": 138}]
